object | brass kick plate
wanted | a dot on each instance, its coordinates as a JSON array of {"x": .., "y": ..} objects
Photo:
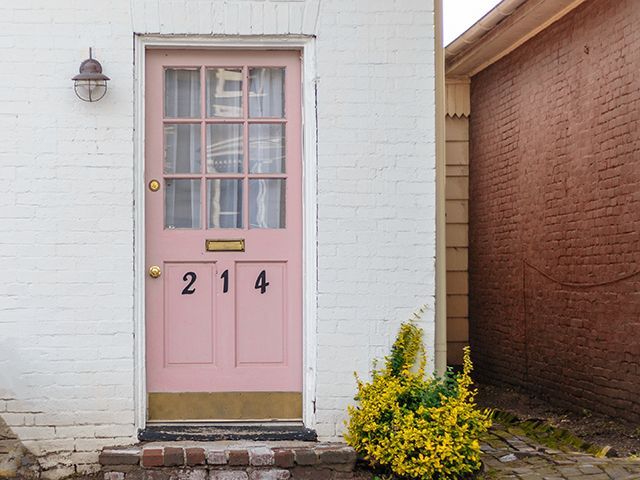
[
  {"x": 225, "y": 245},
  {"x": 203, "y": 406}
]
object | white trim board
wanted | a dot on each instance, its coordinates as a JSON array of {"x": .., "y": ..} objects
[{"x": 309, "y": 182}]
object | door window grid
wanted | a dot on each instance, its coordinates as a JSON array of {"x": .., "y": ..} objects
[{"x": 257, "y": 193}]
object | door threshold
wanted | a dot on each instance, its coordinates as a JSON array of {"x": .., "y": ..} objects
[{"x": 211, "y": 432}]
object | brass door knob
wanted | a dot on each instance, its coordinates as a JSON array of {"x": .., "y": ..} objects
[{"x": 154, "y": 271}]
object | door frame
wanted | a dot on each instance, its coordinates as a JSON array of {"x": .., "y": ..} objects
[{"x": 306, "y": 46}]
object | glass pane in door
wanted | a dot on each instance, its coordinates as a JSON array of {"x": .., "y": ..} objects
[
  {"x": 182, "y": 203},
  {"x": 182, "y": 93},
  {"x": 224, "y": 92},
  {"x": 266, "y": 92},
  {"x": 224, "y": 148},
  {"x": 267, "y": 203},
  {"x": 266, "y": 148},
  {"x": 224, "y": 203},
  {"x": 181, "y": 148}
]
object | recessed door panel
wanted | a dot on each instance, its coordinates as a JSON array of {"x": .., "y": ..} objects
[
  {"x": 260, "y": 313},
  {"x": 223, "y": 180},
  {"x": 190, "y": 313}
]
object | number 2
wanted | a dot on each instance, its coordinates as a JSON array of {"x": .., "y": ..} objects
[
  {"x": 191, "y": 278},
  {"x": 261, "y": 282}
]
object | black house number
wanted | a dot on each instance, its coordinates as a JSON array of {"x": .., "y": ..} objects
[
  {"x": 225, "y": 279},
  {"x": 189, "y": 277},
  {"x": 261, "y": 282}
]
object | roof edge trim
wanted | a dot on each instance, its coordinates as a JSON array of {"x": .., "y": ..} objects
[{"x": 510, "y": 24}]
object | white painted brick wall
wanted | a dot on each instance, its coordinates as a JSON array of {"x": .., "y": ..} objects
[
  {"x": 376, "y": 187},
  {"x": 66, "y": 201}
]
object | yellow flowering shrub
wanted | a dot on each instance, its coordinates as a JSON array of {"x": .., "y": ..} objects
[{"x": 416, "y": 427}]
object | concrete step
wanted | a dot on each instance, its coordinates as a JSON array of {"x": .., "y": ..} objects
[{"x": 232, "y": 460}]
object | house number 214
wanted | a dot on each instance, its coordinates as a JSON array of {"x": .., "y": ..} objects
[{"x": 191, "y": 277}]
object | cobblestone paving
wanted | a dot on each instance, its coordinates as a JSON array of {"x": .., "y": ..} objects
[{"x": 517, "y": 457}]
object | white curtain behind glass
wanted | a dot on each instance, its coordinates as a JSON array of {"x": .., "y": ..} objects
[
  {"x": 182, "y": 100},
  {"x": 267, "y": 203},
  {"x": 182, "y": 93},
  {"x": 266, "y": 92},
  {"x": 182, "y": 148},
  {"x": 225, "y": 203}
]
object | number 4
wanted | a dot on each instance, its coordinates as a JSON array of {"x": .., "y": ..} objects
[{"x": 261, "y": 282}]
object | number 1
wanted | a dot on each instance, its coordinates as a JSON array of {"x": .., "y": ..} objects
[{"x": 225, "y": 277}]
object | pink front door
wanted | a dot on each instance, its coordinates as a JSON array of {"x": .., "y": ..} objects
[{"x": 223, "y": 234}]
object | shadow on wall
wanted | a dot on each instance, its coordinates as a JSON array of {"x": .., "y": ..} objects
[{"x": 15, "y": 460}]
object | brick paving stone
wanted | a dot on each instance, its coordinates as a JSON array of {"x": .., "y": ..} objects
[
  {"x": 522, "y": 470},
  {"x": 547, "y": 471},
  {"x": 509, "y": 457},
  {"x": 333, "y": 455},
  {"x": 527, "y": 460},
  {"x": 173, "y": 456},
  {"x": 195, "y": 456},
  {"x": 152, "y": 457},
  {"x": 274, "y": 474},
  {"x": 215, "y": 475},
  {"x": 589, "y": 469},
  {"x": 305, "y": 456},
  {"x": 615, "y": 472},
  {"x": 216, "y": 457},
  {"x": 284, "y": 458},
  {"x": 261, "y": 456},
  {"x": 114, "y": 476},
  {"x": 120, "y": 457},
  {"x": 238, "y": 457},
  {"x": 531, "y": 476}
]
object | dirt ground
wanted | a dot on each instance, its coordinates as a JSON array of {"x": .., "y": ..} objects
[{"x": 622, "y": 437}]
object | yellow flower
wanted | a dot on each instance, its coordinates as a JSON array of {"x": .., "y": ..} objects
[{"x": 417, "y": 427}]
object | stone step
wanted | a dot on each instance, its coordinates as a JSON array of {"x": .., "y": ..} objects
[
  {"x": 210, "y": 433},
  {"x": 231, "y": 460}
]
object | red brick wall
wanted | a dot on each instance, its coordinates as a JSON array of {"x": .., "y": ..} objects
[{"x": 555, "y": 182}]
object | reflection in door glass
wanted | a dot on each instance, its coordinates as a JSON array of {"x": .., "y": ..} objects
[
  {"x": 182, "y": 93},
  {"x": 181, "y": 148},
  {"x": 266, "y": 92},
  {"x": 267, "y": 203},
  {"x": 224, "y": 92},
  {"x": 224, "y": 202},
  {"x": 182, "y": 203},
  {"x": 224, "y": 148},
  {"x": 266, "y": 148}
]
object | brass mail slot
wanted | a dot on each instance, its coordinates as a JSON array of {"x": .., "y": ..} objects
[{"x": 225, "y": 245}]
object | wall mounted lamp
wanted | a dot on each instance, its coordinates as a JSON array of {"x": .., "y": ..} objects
[{"x": 90, "y": 84}]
